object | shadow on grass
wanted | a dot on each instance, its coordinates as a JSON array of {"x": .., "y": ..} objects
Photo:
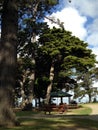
[
  {"x": 39, "y": 121},
  {"x": 60, "y": 123},
  {"x": 56, "y": 123}
]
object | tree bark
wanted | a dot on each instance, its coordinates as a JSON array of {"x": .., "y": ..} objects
[
  {"x": 90, "y": 97},
  {"x": 33, "y": 40},
  {"x": 8, "y": 58},
  {"x": 49, "y": 88}
]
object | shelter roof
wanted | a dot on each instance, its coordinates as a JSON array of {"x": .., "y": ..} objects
[{"x": 60, "y": 94}]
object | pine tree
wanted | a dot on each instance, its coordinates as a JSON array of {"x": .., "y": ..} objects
[{"x": 66, "y": 53}]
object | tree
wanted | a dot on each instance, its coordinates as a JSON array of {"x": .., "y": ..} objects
[
  {"x": 35, "y": 12},
  {"x": 66, "y": 53},
  {"x": 86, "y": 84},
  {"x": 8, "y": 53}
]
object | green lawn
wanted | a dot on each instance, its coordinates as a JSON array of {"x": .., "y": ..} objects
[
  {"x": 55, "y": 123},
  {"x": 82, "y": 110}
]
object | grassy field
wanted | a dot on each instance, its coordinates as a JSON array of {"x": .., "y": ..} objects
[
  {"x": 82, "y": 110},
  {"x": 55, "y": 124},
  {"x": 65, "y": 122}
]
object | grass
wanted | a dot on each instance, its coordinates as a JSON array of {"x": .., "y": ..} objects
[
  {"x": 82, "y": 110},
  {"x": 58, "y": 123},
  {"x": 55, "y": 124},
  {"x": 25, "y": 113}
]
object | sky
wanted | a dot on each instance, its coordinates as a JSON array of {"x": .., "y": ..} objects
[{"x": 81, "y": 18}]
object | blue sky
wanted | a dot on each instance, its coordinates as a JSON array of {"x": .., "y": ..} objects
[{"x": 81, "y": 18}]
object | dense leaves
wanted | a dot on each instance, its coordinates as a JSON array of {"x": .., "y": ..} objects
[{"x": 68, "y": 52}]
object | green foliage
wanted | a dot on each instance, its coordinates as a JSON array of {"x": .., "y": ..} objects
[
  {"x": 85, "y": 86},
  {"x": 95, "y": 73},
  {"x": 68, "y": 52},
  {"x": 31, "y": 14},
  {"x": 53, "y": 2},
  {"x": 54, "y": 45},
  {"x": 78, "y": 93}
]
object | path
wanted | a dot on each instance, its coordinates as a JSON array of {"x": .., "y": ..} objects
[
  {"x": 94, "y": 114},
  {"x": 94, "y": 108}
]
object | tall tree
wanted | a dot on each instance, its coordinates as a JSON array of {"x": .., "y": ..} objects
[
  {"x": 35, "y": 12},
  {"x": 8, "y": 53},
  {"x": 87, "y": 79},
  {"x": 66, "y": 52}
]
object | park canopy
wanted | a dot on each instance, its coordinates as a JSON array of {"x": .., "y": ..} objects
[{"x": 60, "y": 93}]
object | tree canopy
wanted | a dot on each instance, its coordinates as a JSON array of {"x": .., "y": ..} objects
[{"x": 67, "y": 52}]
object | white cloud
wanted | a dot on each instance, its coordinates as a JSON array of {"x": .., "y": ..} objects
[
  {"x": 72, "y": 21},
  {"x": 87, "y": 7},
  {"x": 93, "y": 39}
]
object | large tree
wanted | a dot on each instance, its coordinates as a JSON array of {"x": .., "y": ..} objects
[
  {"x": 30, "y": 27},
  {"x": 66, "y": 53},
  {"x": 85, "y": 84},
  {"x": 8, "y": 53}
]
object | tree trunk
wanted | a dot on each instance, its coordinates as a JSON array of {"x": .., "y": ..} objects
[
  {"x": 31, "y": 93},
  {"x": 49, "y": 88},
  {"x": 33, "y": 40},
  {"x": 8, "y": 56},
  {"x": 22, "y": 94},
  {"x": 90, "y": 97}
]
